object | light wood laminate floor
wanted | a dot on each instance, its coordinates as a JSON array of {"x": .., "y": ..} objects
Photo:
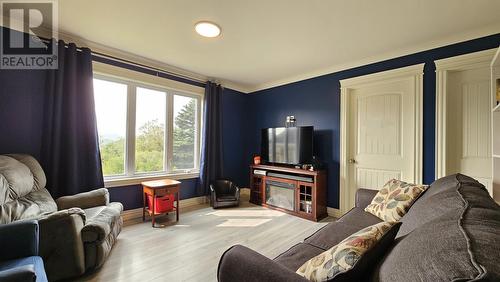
[{"x": 190, "y": 250}]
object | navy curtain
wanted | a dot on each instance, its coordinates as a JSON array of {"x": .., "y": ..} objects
[
  {"x": 211, "y": 150},
  {"x": 70, "y": 148}
]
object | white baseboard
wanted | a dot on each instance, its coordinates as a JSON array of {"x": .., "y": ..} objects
[
  {"x": 333, "y": 212},
  {"x": 137, "y": 213}
]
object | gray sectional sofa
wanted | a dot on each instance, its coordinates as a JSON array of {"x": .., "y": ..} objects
[
  {"x": 76, "y": 232},
  {"x": 451, "y": 233}
]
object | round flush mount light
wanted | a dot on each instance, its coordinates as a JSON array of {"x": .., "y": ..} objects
[{"x": 207, "y": 29}]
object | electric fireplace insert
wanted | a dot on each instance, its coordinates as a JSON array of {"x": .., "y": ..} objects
[{"x": 280, "y": 194}]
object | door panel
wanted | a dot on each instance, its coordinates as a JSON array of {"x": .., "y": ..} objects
[
  {"x": 378, "y": 124},
  {"x": 375, "y": 178},
  {"x": 382, "y": 119}
]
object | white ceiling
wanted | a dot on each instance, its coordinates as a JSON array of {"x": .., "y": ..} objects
[{"x": 266, "y": 43}]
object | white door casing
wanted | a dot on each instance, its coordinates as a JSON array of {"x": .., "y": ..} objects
[
  {"x": 463, "y": 116},
  {"x": 381, "y": 130}
]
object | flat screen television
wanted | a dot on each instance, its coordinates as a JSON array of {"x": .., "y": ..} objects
[{"x": 292, "y": 145}]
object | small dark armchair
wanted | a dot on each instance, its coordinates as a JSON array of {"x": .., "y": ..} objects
[
  {"x": 224, "y": 193},
  {"x": 19, "y": 259}
]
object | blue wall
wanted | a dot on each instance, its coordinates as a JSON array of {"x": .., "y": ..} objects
[
  {"x": 316, "y": 102},
  {"x": 234, "y": 105},
  {"x": 131, "y": 196},
  {"x": 235, "y": 124},
  {"x": 21, "y": 110},
  {"x": 21, "y": 116}
]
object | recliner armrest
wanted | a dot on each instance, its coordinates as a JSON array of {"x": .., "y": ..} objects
[
  {"x": 19, "y": 239},
  {"x": 364, "y": 197},
  {"x": 61, "y": 245},
  {"x": 95, "y": 198},
  {"x": 240, "y": 263},
  {"x": 19, "y": 274}
]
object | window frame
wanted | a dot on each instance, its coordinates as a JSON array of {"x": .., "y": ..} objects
[{"x": 130, "y": 176}]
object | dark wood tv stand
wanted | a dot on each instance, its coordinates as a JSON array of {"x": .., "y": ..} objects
[{"x": 309, "y": 197}]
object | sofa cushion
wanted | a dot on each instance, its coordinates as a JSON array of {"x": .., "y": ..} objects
[
  {"x": 352, "y": 257},
  {"x": 34, "y": 261},
  {"x": 226, "y": 198},
  {"x": 394, "y": 199},
  {"x": 441, "y": 197},
  {"x": 16, "y": 179},
  {"x": 331, "y": 235},
  {"x": 22, "y": 192},
  {"x": 458, "y": 244},
  {"x": 294, "y": 257},
  {"x": 31, "y": 206},
  {"x": 93, "y": 212},
  {"x": 36, "y": 170},
  {"x": 357, "y": 217}
]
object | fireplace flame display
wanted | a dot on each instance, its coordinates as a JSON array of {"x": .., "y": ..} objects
[{"x": 280, "y": 194}]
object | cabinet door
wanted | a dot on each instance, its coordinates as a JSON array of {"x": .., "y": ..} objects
[
  {"x": 306, "y": 198},
  {"x": 257, "y": 189}
]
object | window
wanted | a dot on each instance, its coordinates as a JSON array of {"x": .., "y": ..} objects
[
  {"x": 146, "y": 130},
  {"x": 184, "y": 132},
  {"x": 111, "y": 112},
  {"x": 150, "y": 130}
]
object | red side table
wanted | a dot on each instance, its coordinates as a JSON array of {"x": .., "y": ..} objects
[{"x": 156, "y": 189}]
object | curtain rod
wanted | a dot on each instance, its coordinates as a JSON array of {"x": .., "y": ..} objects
[{"x": 120, "y": 60}]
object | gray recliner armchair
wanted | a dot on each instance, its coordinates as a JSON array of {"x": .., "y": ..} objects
[{"x": 76, "y": 232}]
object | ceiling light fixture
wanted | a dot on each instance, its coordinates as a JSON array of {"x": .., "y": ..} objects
[{"x": 207, "y": 29}]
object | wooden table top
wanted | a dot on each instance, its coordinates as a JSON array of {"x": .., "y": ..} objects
[{"x": 160, "y": 183}]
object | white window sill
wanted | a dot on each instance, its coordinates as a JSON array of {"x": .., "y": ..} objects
[{"x": 126, "y": 181}]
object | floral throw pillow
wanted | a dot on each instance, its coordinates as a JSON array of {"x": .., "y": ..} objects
[
  {"x": 343, "y": 257},
  {"x": 394, "y": 199}
]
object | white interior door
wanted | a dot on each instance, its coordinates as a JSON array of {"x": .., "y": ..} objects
[
  {"x": 382, "y": 129},
  {"x": 383, "y": 134},
  {"x": 468, "y": 119}
]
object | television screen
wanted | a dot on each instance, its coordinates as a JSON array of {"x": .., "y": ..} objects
[{"x": 292, "y": 145}]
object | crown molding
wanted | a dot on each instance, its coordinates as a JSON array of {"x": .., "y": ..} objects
[
  {"x": 375, "y": 78},
  {"x": 468, "y": 61},
  {"x": 441, "y": 42}
]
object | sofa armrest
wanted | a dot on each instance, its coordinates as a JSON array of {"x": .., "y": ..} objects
[
  {"x": 364, "y": 197},
  {"x": 19, "y": 274},
  {"x": 97, "y": 228},
  {"x": 18, "y": 239},
  {"x": 61, "y": 245},
  {"x": 95, "y": 198},
  {"x": 240, "y": 263}
]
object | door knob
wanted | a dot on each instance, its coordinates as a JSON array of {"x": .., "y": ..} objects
[{"x": 352, "y": 161}]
